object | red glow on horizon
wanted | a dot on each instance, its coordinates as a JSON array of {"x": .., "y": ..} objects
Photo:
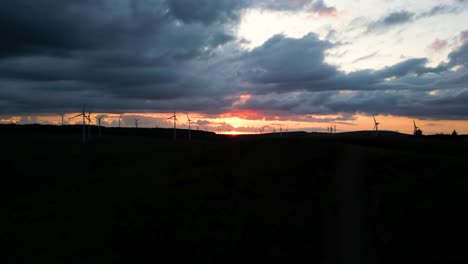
[
  {"x": 243, "y": 114},
  {"x": 234, "y": 133}
]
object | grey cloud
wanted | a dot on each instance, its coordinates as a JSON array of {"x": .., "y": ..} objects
[
  {"x": 288, "y": 61},
  {"x": 459, "y": 56},
  {"x": 214, "y": 11},
  {"x": 319, "y": 7},
  {"x": 284, "y": 64},
  {"x": 402, "y": 17},
  {"x": 404, "y": 68},
  {"x": 391, "y": 20},
  {"x": 397, "y": 18},
  {"x": 440, "y": 10},
  {"x": 416, "y": 104},
  {"x": 368, "y": 56},
  {"x": 61, "y": 27},
  {"x": 401, "y": 89},
  {"x": 280, "y": 4},
  {"x": 120, "y": 51},
  {"x": 464, "y": 36},
  {"x": 205, "y": 11}
]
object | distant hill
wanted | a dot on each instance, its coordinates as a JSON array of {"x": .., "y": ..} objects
[{"x": 372, "y": 133}]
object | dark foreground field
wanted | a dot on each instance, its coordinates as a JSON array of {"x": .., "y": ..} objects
[{"x": 135, "y": 196}]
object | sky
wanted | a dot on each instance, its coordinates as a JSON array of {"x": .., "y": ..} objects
[{"x": 238, "y": 66}]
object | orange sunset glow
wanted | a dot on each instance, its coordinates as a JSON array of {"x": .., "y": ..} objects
[{"x": 241, "y": 122}]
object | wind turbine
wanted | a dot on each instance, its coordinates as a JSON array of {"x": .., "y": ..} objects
[
  {"x": 280, "y": 128},
  {"x": 99, "y": 118},
  {"x": 61, "y": 114},
  {"x": 417, "y": 131},
  {"x": 83, "y": 114},
  {"x": 189, "y": 121},
  {"x": 136, "y": 122},
  {"x": 89, "y": 124},
  {"x": 376, "y": 125},
  {"x": 120, "y": 117},
  {"x": 175, "y": 120}
]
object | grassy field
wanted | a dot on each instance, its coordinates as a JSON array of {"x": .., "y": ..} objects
[{"x": 136, "y": 196}]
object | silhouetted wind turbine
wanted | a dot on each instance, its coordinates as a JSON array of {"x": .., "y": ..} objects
[
  {"x": 189, "y": 121},
  {"x": 84, "y": 124},
  {"x": 376, "y": 125},
  {"x": 136, "y": 122},
  {"x": 120, "y": 117},
  {"x": 175, "y": 120},
  {"x": 61, "y": 114},
  {"x": 89, "y": 124},
  {"x": 280, "y": 128},
  {"x": 99, "y": 118},
  {"x": 417, "y": 131}
]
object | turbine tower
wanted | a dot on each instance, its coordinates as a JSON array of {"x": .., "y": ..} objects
[
  {"x": 99, "y": 118},
  {"x": 376, "y": 125},
  {"x": 417, "y": 131},
  {"x": 189, "y": 121},
  {"x": 136, "y": 122},
  {"x": 61, "y": 114},
  {"x": 83, "y": 114},
  {"x": 174, "y": 117},
  {"x": 120, "y": 117},
  {"x": 280, "y": 128},
  {"x": 89, "y": 124}
]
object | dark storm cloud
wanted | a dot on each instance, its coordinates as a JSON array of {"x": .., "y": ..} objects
[
  {"x": 142, "y": 29},
  {"x": 205, "y": 11},
  {"x": 406, "y": 67},
  {"x": 115, "y": 50},
  {"x": 209, "y": 11},
  {"x": 295, "y": 79},
  {"x": 289, "y": 61},
  {"x": 318, "y": 7},
  {"x": 460, "y": 56},
  {"x": 284, "y": 65},
  {"x": 279, "y": 4}
]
